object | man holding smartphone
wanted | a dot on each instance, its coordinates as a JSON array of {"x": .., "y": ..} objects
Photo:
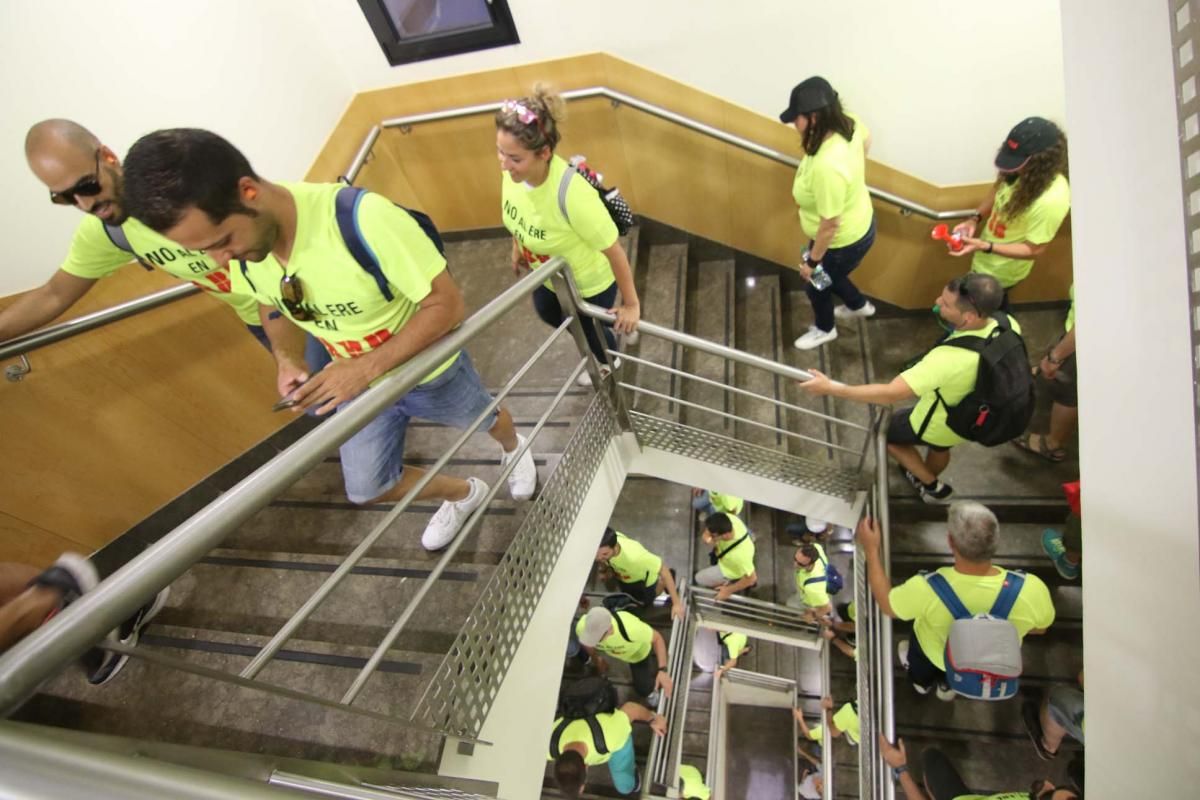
[{"x": 286, "y": 248}]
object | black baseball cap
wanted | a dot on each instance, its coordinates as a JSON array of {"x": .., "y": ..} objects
[
  {"x": 1029, "y": 137},
  {"x": 808, "y": 95}
]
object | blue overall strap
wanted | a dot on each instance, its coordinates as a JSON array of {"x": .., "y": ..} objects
[
  {"x": 346, "y": 211},
  {"x": 823, "y": 578},
  {"x": 116, "y": 235},
  {"x": 941, "y": 587},
  {"x": 1013, "y": 581}
]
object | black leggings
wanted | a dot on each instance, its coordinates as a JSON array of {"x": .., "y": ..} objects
[
  {"x": 645, "y": 673},
  {"x": 545, "y": 303}
]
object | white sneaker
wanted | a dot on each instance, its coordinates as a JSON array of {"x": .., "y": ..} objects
[
  {"x": 584, "y": 379},
  {"x": 662, "y": 599},
  {"x": 523, "y": 479},
  {"x": 652, "y": 700},
  {"x": 945, "y": 693},
  {"x": 902, "y": 653},
  {"x": 631, "y": 338},
  {"x": 844, "y": 312},
  {"x": 815, "y": 338},
  {"x": 449, "y": 519}
]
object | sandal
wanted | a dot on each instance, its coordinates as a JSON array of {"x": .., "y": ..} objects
[{"x": 1039, "y": 447}]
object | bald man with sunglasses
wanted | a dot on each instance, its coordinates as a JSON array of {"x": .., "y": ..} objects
[{"x": 81, "y": 171}]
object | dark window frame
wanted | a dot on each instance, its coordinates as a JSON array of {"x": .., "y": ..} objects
[{"x": 436, "y": 45}]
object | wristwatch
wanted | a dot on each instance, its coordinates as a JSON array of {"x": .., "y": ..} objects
[{"x": 898, "y": 771}]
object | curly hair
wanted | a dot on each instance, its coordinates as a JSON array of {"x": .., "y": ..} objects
[
  {"x": 1036, "y": 176},
  {"x": 549, "y": 111}
]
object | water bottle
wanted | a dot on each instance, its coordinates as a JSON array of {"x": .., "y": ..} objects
[{"x": 820, "y": 278}]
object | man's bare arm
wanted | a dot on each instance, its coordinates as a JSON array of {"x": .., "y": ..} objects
[{"x": 37, "y": 307}]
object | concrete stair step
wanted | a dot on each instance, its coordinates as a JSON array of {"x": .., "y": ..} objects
[
  {"x": 759, "y": 332},
  {"x": 710, "y": 315},
  {"x": 663, "y": 295},
  {"x": 210, "y": 713}
]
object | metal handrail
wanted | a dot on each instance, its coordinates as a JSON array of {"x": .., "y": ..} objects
[
  {"x": 887, "y": 706},
  {"x": 56, "y": 644},
  {"x": 364, "y": 150},
  {"x": 72, "y": 327}
]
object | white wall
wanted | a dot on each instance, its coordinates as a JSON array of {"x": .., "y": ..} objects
[
  {"x": 257, "y": 72},
  {"x": 940, "y": 82},
  {"x": 1141, "y": 524}
]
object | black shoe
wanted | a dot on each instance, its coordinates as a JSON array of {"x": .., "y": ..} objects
[
  {"x": 1031, "y": 718},
  {"x": 913, "y": 480},
  {"x": 937, "y": 493},
  {"x": 104, "y": 665}
]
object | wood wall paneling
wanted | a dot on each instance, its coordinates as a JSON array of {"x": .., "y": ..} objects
[{"x": 112, "y": 424}]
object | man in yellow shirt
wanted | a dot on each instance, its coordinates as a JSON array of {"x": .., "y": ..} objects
[
  {"x": 844, "y": 721},
  {"x": 292, "y": 255},
  {"x": 577, "y": 749},
  {"x": 942, "y": 378},
  {"x": 641, "y": 574},
  {"x": 732, "y": 556},
  {"x": 973, "y": 531},
  {"x": 707, "y": 501},
  {"x": 626, "y": 638},
  {"x": 812, "y": 594},
  {"x": 80, "y": 170}
]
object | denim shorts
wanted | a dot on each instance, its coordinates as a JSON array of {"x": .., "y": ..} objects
[
  {"x": 372, "y": 460},
  {"x": 1066, "y": 708}
]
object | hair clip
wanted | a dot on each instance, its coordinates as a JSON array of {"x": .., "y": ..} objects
[{"x": 523, "y": 112}]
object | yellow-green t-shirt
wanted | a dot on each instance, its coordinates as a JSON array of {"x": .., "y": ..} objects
[
  {"x": 740, "y": 561},
  {"x": 351, "y": 316},
  {"x": 532, "y": 215},
  {"x": 915, "y": 600},
  {"x": 93, "y": 255},
  {"x": 1070, "y": 323},
  {"x": 950, "y": 371},
  {"x": 833, "y": 183},
  {"x": 617, "y": 728},
  {"x": 815, "y": 594},
  {"x": 692, "y": 784},
  {"x": 1001, "y": 796},
  {"x": 631, "y": 651},
  {"x": 845, "y": 719},
  {"x": 634, "y": 563},
  {"x": 726, "y": 502},
  {"x": 1037, "y": 225},
  {"x": 734, "y": 644}
]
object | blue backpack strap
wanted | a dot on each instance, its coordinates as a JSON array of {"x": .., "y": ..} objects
[
  {"x": 346, "y": 212},
  {"x": 1013, "y": 581},
  {"x": 116, "y": 235},
  {"x": 821, "y": 579},
  {"x": 941, "y": 587}
]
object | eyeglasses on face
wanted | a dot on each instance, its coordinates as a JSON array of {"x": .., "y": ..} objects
[
  {"x": 87, "y": 186},
  {"x": 292, "y": 295}
]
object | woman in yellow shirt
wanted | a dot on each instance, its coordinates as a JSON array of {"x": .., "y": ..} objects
[
  {"x": 537, "y": 187},
  {"x": 835, "y": 208}
]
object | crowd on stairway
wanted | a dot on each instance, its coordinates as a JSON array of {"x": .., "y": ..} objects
[{"x": 344, "y": 287}]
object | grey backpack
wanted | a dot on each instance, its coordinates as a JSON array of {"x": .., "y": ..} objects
[{"x": 983, "y": 651}]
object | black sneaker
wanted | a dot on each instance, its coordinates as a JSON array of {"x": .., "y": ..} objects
[
  {"x": 1032, "y": 720},
  {"x": 938, "y": 494},
  {"x": 103, "y": 665}
]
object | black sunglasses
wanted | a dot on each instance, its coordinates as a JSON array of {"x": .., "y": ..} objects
[
  {"x": 87, "y": 186},
  {"x": 292, "y": 295}
]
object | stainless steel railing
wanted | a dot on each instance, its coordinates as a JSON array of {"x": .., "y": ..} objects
[
  {"x": 364, "y": 151},
  {"x": 85, "y": 622}
]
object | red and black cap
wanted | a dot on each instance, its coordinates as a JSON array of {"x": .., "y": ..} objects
[
  {"x": 808, "y": 96},
  {"x": 1029, "y": 137}
]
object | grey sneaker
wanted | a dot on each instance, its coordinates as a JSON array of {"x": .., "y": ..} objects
[
  {"x": 103, "y": 665},
  {"x": 449, "y": 519}
]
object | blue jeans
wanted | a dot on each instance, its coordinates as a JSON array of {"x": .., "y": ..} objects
[
  {"x": 372, "y": 460},
  {"x": 703, "y": 502},
  {"x": 839, "y": 262},
  {"x": 623, "y": 768},
  {"x": 545, "y": 303}
]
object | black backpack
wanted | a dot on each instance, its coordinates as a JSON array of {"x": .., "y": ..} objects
[
  {"x": 1000, "y": 406},
  {"x": 584, "y": 699},
  {"x": 614, "y": 202}
]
